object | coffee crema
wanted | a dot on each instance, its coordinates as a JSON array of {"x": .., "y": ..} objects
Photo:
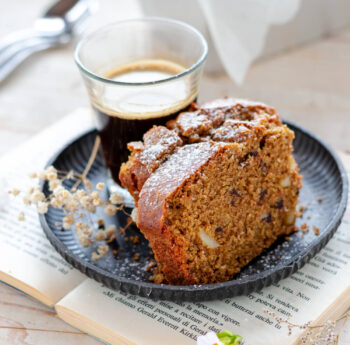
[{"x": 128, "y": 111}]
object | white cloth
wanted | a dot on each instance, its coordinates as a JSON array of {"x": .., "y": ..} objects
[{"x": 239, "y": 27}]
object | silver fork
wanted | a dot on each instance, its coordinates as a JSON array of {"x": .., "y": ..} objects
[{"x": 57, "y": 26}]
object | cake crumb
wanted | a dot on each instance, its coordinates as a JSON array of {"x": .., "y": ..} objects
[
  {"x": 298, "y": 214},
  {"x": 302, "y": 209},
  {"x": 316, "y": 230},
  {"x": 134, "y": 239},
  {"x": 151, "y": 265},
  {"x": 319, "y": 200},
  {"x": 304, "y": 228},
  {"x": 296, "y": 228},
  {"x": 158, "y": 277},
  {"x": 21, "y": 216}
]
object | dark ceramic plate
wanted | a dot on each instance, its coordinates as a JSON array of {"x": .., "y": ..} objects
[{"x": 323, "y": 177}]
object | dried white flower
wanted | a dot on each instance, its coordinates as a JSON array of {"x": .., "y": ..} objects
[
  {"x": 42, "y": 175},
  {"x": 42, "y": 207},
  {"x": 98, "y": 202},
  {"x": 21, "y": 217},
  {"x": 94, "y": 195},
  {"x": 100, "y": 186},
  {"x": 26, "y": 200},
  {"x": 85, "y": 201},
  {"x": 100, "y": 235},
  {"x": 84, "y": 240},
  {"x": 72, "y": 205},
  {"x": 53, "y": 184},
  {"x": 51, "y": 169},
  {"x": 68, "y": 221},
  {"x": 31, "y": 190},
  {"x": 110, "y": 230},
  {"x": 14, "y": 191},
  {"x": 110, "y": 210},
  {"x": 95, "y": 257},
  {"x": 37, "y": 196},
  {"x": 58, "y": 190},
  {"x": 102, "y": 250},
  {"x": 55, "y": 203},
  {"x": 81, "y": 228},
  {"x": 116, "y": 198},
  {"x": 52, "y": 175},
  {"x": 65, "y": 196}
]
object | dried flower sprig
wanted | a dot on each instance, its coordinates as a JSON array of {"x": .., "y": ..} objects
[
  {"x": 323, "y": 334},
  {"x": 77, "y": 205}
]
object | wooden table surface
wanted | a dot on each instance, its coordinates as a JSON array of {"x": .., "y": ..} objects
[{"x": 309, "y": 85}]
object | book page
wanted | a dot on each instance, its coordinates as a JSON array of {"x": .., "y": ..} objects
[
  {"x": 311, "y": 293},
  {"x": 27, "y": 259}
]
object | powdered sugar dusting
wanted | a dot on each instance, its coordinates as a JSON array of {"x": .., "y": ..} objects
[
  {"x": 175, "y": 170},
  {"x": 159, "y": 142}
]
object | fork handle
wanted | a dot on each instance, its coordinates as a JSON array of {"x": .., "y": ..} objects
[{"x": 15, "y": 54}]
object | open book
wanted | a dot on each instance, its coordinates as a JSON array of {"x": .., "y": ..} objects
[{"x": 319, "y": 291}]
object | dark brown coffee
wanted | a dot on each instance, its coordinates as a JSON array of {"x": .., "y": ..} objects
[{"x": 137, "y": 109}]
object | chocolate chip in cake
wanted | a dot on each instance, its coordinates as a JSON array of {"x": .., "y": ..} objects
[
  {"x": 219, "y": 230},
  {"x": 245, "y": 158},
  {"x": 234, "y": 192},
  {"x": 262, "y": 195},
  {"x": 278, "y": 205},
  {"x": 268, "y": 218},
  {"x": 253, "y": 153},
  {"x": 262, "y": 143},
  {"x": 235, "y": 195}
]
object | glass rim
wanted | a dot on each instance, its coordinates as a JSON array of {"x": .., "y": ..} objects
[{"x": 97, "y": 77}]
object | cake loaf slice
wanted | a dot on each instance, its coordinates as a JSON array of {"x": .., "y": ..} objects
[{"x": 213, "y": 189}]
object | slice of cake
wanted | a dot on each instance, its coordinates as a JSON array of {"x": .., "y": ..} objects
[{"x": 213, "y": 189}]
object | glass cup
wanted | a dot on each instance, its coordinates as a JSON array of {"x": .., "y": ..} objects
[{"x": 138, "y": 73}]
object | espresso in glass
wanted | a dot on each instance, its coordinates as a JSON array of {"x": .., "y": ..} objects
[
  {"x": 136, "y": 111},
  {"x": 138, "y": 73}
]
